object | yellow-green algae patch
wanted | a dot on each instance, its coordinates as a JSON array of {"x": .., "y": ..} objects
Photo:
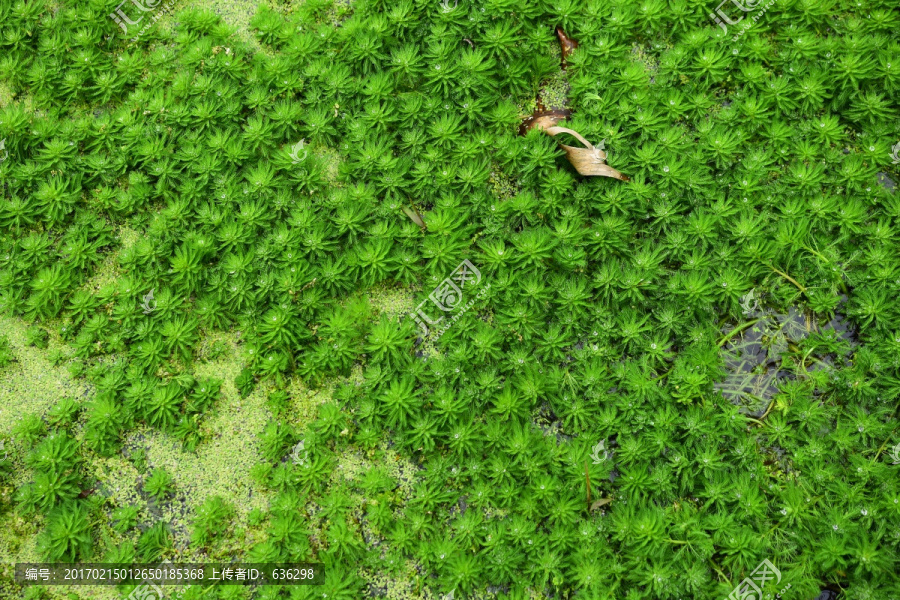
[
  {"x": 503, "y": 187},
  {"x": 394, "y": 301},
  {"x": 32, "y": 383},
  {"x": 647, "y": 58},
  {"x": 352, "y": 464},
  {"x": 305, "y": 400},
  {"x": 6, "y": 94},
  {"x": 331, "y": 160},
  {"x": 222, "y": 462},
  {"x": 554, "y": 92},
  {"x": 235, "y": 13},
  {"x": 108, "y": 271}
]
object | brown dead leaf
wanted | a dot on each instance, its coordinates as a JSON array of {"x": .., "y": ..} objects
[
  {"x": 567, "y": 45},
  {"x": 416, "y": 218},
  {"x": 543, "y": 119},
  {"x": 599, "y": 503},
  {"x": 590, "y": 161}
]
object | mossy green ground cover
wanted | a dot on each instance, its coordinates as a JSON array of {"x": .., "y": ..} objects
[{"x": 207, "y": 352}]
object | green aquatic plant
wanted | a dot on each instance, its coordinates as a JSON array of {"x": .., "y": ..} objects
[
  {"x": 67, "y": 537},
  {"x": 162, "y": 406},
  {"x": 203, "y": 395},
  {"x": 276, "y": 440},
  {"x": 154, "y": 541},
  {"x": 159, "y": 484},
  {"x": 211, "y": 518},
  {"x": 64, "y": 412},
  {"x": 124, "y": 518},
  {"x": 175, "y": 166},
  {"x": 37, "y": 336},
  {"x": 6, "y": 354},
  {"x": 104, "y": 425}
]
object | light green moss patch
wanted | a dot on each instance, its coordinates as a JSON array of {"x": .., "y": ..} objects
[
  {"x": 32, "y": 384},
  {"x": 222, "y": 462},
  {"x": 554, "y": 92},
  {"x": 331, "y": 160},
  {"x": 409, "y": 585},
  {"x": 6, "y": 94},
  {"x": 304, "y": 402},
  {"x": 649, "y": 59},
  {"x": 526, "y": 106},
  {"x": 18, "y": 538},
  {"x": 352, "y": 465},
  {"x": 339, "y": 11},
  {"x": 220, "y": 466},
  {"x": 235, "y": 13},
  {"x": 503, "y": 187},
  {"x": 392, "y": 301},
  {"x": 107, "y": 272}
]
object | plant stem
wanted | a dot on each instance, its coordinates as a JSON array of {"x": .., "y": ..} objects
[
  {"x": 719, "y": 571},
  {"x": 881, "y": 449},
  {"x": 789, "y": 278},
  {"x": 587, "y": 479},
  {"x": 737, "y": 330},
  {"x": 765, "y": 414},
  {"x": 816, "y": 253}
]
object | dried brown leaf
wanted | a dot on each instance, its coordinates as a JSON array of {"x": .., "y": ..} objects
[
  {"x": 599, "y": 503},
  {"x": 415, "y": 217}
]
